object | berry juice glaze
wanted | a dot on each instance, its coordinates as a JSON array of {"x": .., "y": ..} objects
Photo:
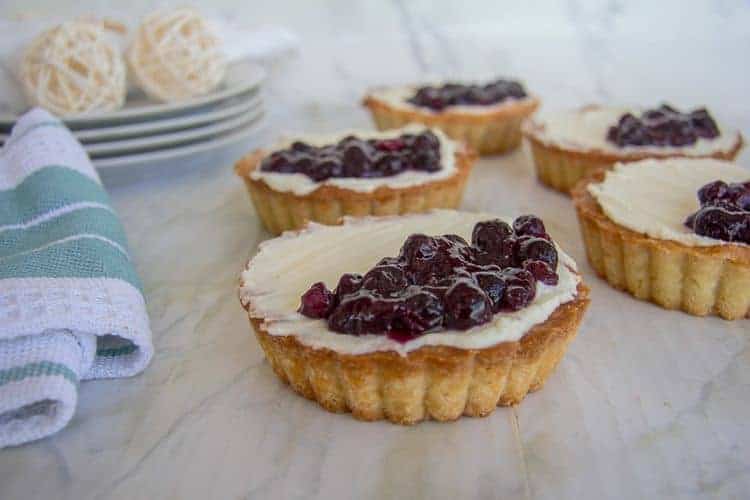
[
  {"x": 440, "y": 97},
  {"x": 353, "y": 157},
  {"x": 663, "y": 126},
  {"x": 724, "y": 213},
  {"x": 441, "y": 282}
]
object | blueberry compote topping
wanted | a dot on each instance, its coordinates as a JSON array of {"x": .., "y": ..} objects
[
  {"x": 454, "y": 94},
  {"x": 663, "y": 126},
  {"x": 355, "y": 157},
  {"x": 724, "y": 213},
  {"x": 441, "y": 282}
]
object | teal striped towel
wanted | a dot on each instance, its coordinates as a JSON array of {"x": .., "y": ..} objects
[{"x": 71, "y": 304}]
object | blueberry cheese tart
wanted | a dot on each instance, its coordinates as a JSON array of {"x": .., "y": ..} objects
[
  {"x": 323, "y": 178},
  {"x": 566, "y": 146},
  {"x": 675, "y": 232},
  {"x": 422, "y": 316},
  {"x": 486, "y": 116}
]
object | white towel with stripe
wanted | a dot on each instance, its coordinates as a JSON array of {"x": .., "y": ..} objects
[{"x": 71, "y": 304}]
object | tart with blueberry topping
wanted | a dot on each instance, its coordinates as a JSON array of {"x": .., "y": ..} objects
[
  {"x": 566, "y": 146},
  {"x": 423, "y": 316},
  {"x": 486, "y": 116},
  {"x": 323, "y": 178},
  {"x": 675, "y": 232}
]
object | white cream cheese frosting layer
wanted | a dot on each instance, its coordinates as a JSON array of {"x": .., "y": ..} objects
[
  {"x": 586, "y": 129},
  {"x": 397, "y": 97},
  {"x": 300, "y": 184},
  {"x": 654, "y": 197},
  {"x": 285, "y": 267}
]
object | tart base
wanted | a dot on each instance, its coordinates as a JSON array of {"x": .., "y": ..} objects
[
  {"x": 697, "y": 280},
  {"x": 492, "y": 132},
  {"x": 433, "y": 382},
  {"x": 283, "y": 211},
  {"x": 561, "y": 168}
]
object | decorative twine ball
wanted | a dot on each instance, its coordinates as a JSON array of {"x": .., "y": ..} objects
[
  {"x": 175, "y": 55},
  {"x": 75, "y": 67}
]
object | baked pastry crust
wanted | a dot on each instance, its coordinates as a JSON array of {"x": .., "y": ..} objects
[
  {"x": 496, "y": 130},
  {"x": 432, "y": 382},
  {"x": 561, "y": 167},
  {"x": 282, "y": 211},
  {"x": 699, "y": 280}
]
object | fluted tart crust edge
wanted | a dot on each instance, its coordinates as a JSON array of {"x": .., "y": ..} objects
[
  {"x": 699, "y": 280},
  {"x": 561, "y": 168},
  {"x": 492, "y": 131},
  {"x": 432, "y": 382},
  {"x": 283, "y": 211}
]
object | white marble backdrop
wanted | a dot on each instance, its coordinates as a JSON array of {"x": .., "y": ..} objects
[{"x": 647, "y": 403}]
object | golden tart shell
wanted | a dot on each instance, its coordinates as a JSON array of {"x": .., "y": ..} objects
[
  {"x": 493, "y": 131},
  {"x": 283, "y": 211},
  {"x": 561, "y": 167},
  {"x": 432, "y": 382},
  {"x": 699, "y": 280}
]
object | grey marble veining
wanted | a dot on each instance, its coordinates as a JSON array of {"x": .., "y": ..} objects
[{"x": 646, "y": 404}]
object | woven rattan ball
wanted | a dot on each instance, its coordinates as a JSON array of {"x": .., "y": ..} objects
[
  {"x": 175, "y": 55},
  {"x": 75, "y": 67}
]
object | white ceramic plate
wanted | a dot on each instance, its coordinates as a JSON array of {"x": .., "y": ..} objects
[
  {"x": 241, "y": 78},
  {"x": 227, "y": 109},
  {"x": 180, "y": 152},
  {"x": 160, "y": 141}
]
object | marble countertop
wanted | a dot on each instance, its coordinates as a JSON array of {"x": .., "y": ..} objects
[{"x": 647, "y": 403}]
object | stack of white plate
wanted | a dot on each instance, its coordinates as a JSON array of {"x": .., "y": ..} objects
[{"x": 144, "y": 131}]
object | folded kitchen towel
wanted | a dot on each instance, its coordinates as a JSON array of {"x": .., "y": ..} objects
[{"x": 71, "y": 305}]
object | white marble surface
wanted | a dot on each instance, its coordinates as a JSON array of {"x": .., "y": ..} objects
[{"x": 646, "y": 404}]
